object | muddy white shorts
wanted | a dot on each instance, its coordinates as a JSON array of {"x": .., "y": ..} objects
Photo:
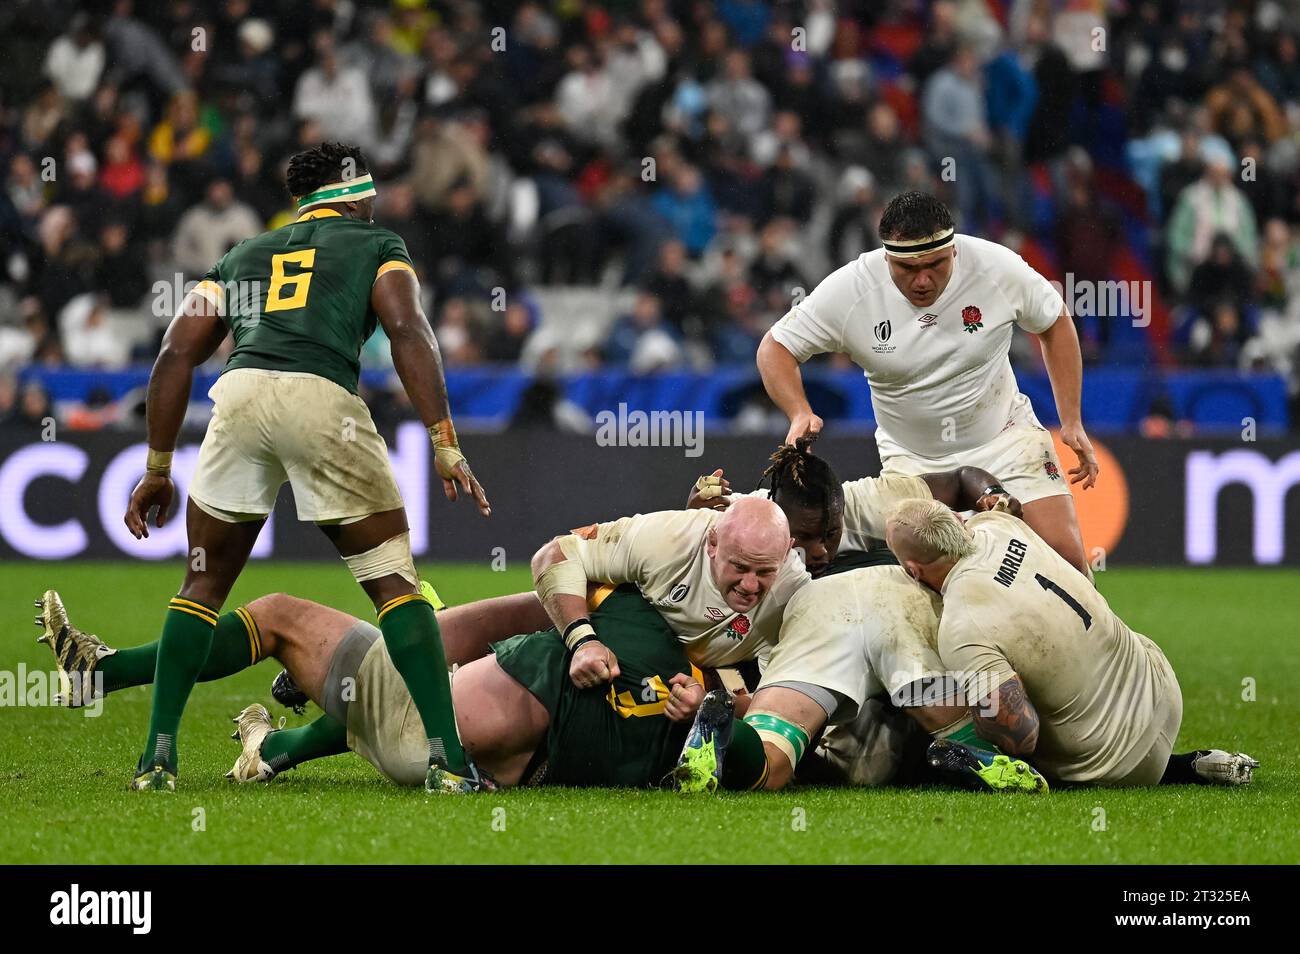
[
  {"x": 1022, "y": 456},
  {"x": 271, "y": 426}
]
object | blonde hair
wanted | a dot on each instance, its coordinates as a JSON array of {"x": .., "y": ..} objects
[{"x": 935, "y": 529}]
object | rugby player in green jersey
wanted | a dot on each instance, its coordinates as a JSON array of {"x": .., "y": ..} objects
[
  {"x": 299, "y": 302},
  {"x": 517, "y": 711}
]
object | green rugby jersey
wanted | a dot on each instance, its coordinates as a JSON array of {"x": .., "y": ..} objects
[{"x": 297, "y": 298}]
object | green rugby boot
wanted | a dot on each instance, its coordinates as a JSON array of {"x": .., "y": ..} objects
[
  {"x": 984, "y": 770},
  {"x": 699, "y": 768},
  {"x": 440, "y": 780},
  {"x": 156, "y": 778},
  {"x": 430, "y": 594}
]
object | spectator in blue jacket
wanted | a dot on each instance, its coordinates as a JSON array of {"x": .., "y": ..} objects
[
  {"x": 688, "y": 207},
  {"x": 1011, "y": 93},
  {"x": 642, "y": 341}
]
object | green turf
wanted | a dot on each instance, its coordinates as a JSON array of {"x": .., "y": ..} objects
[{"x": 63, "y": 776}]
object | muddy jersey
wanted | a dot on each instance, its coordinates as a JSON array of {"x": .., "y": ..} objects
[
  {"x": 858, "y": 634},
  {"x": 663, "y": 554},
  {"x": 1015, "y": 606},
  {"x": 867, "y": 502}
]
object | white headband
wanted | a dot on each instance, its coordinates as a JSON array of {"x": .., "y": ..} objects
[{"x": 914, "y": 248}]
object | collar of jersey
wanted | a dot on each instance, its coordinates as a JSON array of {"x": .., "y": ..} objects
[{"x": 317, "y": 214}]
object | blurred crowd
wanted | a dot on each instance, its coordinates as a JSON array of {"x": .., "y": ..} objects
[{"x": 705, "y": 162}]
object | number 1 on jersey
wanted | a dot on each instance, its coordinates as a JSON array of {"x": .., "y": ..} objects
[
  {"x": 1069, "y": 600},
  {"x": 290, "y": 291}
]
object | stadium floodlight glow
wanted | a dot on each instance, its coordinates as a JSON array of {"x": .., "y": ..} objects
[
  {"x": 409, "y": 458},
  {"x": 1207, "y": 474}
]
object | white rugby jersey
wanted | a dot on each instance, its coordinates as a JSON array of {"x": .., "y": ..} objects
[
  {"x": 664, "y": 555},
  {"x": 859, "y": 634},
  {"x": 1015, "y": 606},
  {"x": 941, "y": 382},
  {"x": 867, "y": 502}
]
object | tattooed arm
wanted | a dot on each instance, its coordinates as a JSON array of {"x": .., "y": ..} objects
[{"x": 1008, "y": 719}]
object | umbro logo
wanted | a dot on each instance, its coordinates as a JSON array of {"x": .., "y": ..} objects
[
  {"x": 928, "y": 319},
  {"x": 715, "y": 613}
]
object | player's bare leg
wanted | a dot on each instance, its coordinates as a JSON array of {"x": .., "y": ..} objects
[
  {"x": 1054, "y": 519},
  {"x": 501, "y": 723},
  {"x": 378, "y": 551},
  {"x": 468, "y": 633},
  {"x": 469, "y": 630},
  {"x": 301, "y": 635},
  {"x": 353, "y": 539},
  {"x": 218, "y": 551}
]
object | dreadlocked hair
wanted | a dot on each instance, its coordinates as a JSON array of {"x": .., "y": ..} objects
[
  {"x": 799, "y": 477},
  {"x": 323, "y": 164}
]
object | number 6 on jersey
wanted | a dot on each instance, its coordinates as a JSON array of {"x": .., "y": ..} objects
[{"x": 290, "y": 291}]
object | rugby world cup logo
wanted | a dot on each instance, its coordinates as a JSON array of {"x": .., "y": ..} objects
[
  {"x": 883, "y": 331},
  {"x": 971, "y": 319}
]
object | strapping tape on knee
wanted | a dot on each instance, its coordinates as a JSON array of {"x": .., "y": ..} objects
[{"x": 391, "y": 556}]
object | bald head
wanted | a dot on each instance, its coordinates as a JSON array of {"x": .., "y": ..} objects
[
  {"x": 755, "y": 525},
  {"x": 928, "y": 539},
  {"x": 746, "y": 547}
]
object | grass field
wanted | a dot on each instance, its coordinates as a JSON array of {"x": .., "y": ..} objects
[{"x": 63, "y": 776}]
